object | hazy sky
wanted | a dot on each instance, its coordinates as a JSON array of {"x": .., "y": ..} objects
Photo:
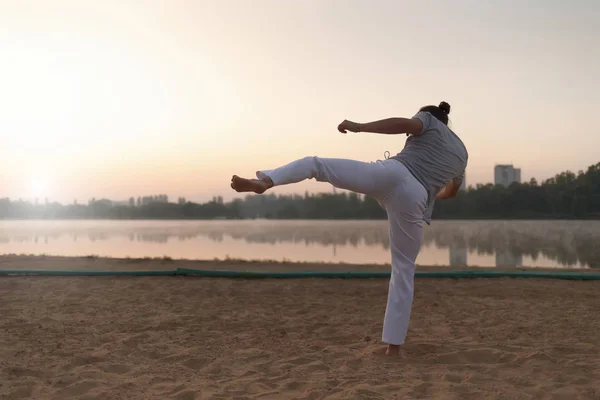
[{"x": 125, "y": 98}]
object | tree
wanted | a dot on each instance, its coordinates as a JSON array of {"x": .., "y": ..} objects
[{"x": 533, "y": 182}]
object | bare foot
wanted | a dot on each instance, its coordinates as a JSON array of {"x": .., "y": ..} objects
[
  {"x": 257, "y": 186},
  {"x": 395, "y": 350}
]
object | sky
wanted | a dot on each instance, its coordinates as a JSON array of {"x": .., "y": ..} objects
[{"x": 112, "y": 99}]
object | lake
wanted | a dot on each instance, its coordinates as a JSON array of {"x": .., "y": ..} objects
[{"x": 572, "y": 244}]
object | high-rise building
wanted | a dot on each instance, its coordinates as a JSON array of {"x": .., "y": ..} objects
[{"x": 506, "y": 174}]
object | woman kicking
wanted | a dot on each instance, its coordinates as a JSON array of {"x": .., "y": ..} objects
[{"x": 431, "y": 166}]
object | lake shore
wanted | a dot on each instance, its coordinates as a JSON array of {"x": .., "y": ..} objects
[
  {"x": 193, "y": 338},
  {"x": 96, "y": 263}
]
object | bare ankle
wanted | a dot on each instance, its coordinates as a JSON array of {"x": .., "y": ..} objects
[
  {"x": 268, "y": 181},
  {"x": 394, "y": 350}
]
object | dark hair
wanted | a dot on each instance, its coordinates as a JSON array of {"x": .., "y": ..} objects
[{"x": 440, "y": 112}]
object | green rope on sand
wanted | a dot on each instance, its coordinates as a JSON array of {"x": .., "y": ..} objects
[
  {"x": 366, "y": 274},
  {"x": 21, "y": 272},
  {"x": 313, "y": 274}
]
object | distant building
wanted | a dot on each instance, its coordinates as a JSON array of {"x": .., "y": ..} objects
[
  {"x": 161, "y": 198},
  {"x": 506, "y": 174}
]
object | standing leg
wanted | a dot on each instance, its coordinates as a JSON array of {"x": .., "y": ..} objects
[
  {"x": 405, "y": 243},
  {"x": 405, "y": 215},
  {"x": 376, "y": 179}
]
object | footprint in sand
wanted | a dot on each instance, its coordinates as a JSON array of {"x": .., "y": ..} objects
[
  {"x": 24, "y": 392},
  {"x": 195, "y": 363},
  {"x": 161, "y": 380},
  {"x": 82, "y": 361},
  {"x": 23, "y": 372},
  {"x": 134, "y": 341},
  {"x": 117, "y": 369},
  {"x": 78, "y": 389},
  {"x": 453, "y": 378},
  {"x": 295, "y": 385},
  {"x": 173, "y": 391},
  {"x": 186, "y": 395},
  {"x": 474, "y": 356}
]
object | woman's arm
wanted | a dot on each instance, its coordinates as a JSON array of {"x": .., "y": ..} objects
[
  {"x": 388, "y": 126},
  {"x": 450, "y": 190}
]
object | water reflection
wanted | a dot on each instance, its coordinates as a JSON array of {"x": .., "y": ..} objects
[
  {"x": 567, "y": 243},
  {"x": 455, "y": 243}
]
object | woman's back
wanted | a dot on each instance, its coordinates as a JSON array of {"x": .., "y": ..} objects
[{"x": 435, "y": 156}]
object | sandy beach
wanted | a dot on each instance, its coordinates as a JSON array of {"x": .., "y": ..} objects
[{"x": 197, "y": 338}]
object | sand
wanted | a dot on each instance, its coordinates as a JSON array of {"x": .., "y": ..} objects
[{"x": 197, "y": 338}]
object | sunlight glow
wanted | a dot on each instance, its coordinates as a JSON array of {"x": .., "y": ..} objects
[
  {"x": 38, "y": 188},
  {"x": 113, "y": 99}
]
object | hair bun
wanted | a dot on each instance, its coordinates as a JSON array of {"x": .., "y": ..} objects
[{"x": 445, "y": 107}]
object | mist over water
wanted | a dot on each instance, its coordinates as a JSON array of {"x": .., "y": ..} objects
[{"x": 562, "y": 244}]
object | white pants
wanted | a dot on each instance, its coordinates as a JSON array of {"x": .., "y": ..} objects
[{"x": 404, "y": 200}]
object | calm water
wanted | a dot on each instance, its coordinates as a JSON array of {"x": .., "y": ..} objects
[{"x": 573, "y": 244}]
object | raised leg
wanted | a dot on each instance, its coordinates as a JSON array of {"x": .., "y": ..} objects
[{"x": 376, "y": 179}]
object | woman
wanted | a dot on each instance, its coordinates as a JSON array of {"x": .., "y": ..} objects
[{"x": 431, "y": 166}]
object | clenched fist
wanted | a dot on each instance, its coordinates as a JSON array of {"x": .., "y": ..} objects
[{"x": 349, "y": 126}]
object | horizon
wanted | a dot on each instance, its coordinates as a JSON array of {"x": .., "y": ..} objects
[
  {"x": 242, "y": 196},
  {"x": 237, "y": 195},
  {"x": 104, "y": 99}
]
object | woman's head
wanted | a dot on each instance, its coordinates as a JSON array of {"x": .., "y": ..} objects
[{"x": 440, "y": 112}]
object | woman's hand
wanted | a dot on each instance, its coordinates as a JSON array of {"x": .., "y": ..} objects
[{"x": 346, "y": 126}]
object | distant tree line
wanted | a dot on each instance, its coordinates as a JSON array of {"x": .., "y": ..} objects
[{"x": 565, "y": 196}]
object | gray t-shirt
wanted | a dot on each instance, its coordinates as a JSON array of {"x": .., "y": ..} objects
[{"x": 435, "y": 157}]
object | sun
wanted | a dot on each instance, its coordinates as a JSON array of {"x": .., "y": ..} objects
[{"x": 38, "y": 187}]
